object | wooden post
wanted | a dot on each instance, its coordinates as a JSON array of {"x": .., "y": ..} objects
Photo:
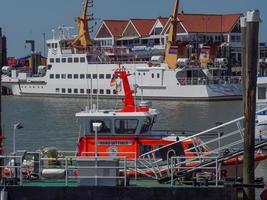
[
  {"x": 243, "y": 24},
  {"x": 252, "y": 39},
  {"x": 1, "y": 134}
]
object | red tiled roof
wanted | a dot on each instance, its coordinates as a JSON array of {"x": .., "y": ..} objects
[
  {"x": 208, "y": 22},
  {"x": 143, "y": 26},
  {"x": 163, "y": 20},
  {"x": 116, "y": 27}
]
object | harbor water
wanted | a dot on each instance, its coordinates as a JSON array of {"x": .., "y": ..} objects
[{"x": 51, "y": 122}]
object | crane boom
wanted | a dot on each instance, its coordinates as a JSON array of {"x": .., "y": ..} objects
[
  {"x": 171, "y": 50},
  {"x": 83, "y": 37}
]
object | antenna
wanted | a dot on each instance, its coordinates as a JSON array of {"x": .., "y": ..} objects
[{"x": 54, "y": 34}]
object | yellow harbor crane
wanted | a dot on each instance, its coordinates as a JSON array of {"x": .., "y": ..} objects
[
  {"x": 83, "y": 38},
  {"x": 171, "y": 50}
]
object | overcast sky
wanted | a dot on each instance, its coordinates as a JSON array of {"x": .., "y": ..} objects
[{"x": 29, "y": 19}]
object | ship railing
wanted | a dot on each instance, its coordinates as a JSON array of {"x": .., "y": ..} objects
[
  {"x": 214, "y": 80},
  {"x": 72, "y": 170},
  {"x": 208, "y": 172},
  {"x": 12, "y": 170},
  {"x": 229, "y": 139}
]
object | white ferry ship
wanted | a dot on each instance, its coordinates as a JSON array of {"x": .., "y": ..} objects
[{"x": 77, "y": 67}]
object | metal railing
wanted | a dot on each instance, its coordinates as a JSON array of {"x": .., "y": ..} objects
[
  {"x": 229, "y": 139},
  {"x": 211, "y": 80},
  {"x": 183, "y": 163}
]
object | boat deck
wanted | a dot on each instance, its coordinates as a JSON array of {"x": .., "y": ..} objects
[{"x": 133, "y": 183}]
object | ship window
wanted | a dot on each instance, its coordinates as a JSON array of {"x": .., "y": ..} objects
[
  {"x": 57, "y": 90},
  {"x": 88, "y": 76},
  {"x": 63, "y": 90},
  {"x": 76, "y": 91},
  {"x": 76, "y": 76},
  {"x": 88, "y": 91},
  {"x": 52, "y": 60},
  {"x": 49, "y": 66},
  {"x": 57, "y": 60},
  {"x": 76, "y": 60},
  {"x": 49, "y": 45},
  {"x": 82, "y": 91},
  {"x": 82, "y": 76},
  {"x": 95, "y": 91},
  {"x": 57, "y": 76},
  {"x": 261, "y": 93},
  {"x": 63, "y": 60},
  {"x": 144, "y": 73},
  {"x": 101, "y": 91},
  {"x": 82, "y": 60},
  {"x": 69, "y": 76},
  {"x": 114, "y": 92},
  {"x": 146, "y": 125},
  {"x": 108, "y": 76},
  {"x": 94, "y": 76},
  {"x": 152, "y": 75},
  {"x": 69, "y": 60},
  {"x": 126, "y": 126},
  {"x": 104, "y": 128},
  {"x": 158, "y": 75},
  {"x": 145, "y": 148},
  {"x": 55, "y": 45},
  {"x": 101, "y": 76},
  {"x": 107, "y": 91},
  {"x": 51, "y": 76},
  {"x": 69, "y": 90},
  {"x": 63, "y": 76}
]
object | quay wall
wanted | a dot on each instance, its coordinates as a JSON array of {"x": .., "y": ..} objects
[{"x": 120, "y": 193}]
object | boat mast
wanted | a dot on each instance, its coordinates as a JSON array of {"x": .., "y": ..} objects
[
  {"x": 171, "y": 50},
  {"x": 83, "y": 37}
]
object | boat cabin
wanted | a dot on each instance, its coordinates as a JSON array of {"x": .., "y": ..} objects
[{"x": 116, "y": 123}]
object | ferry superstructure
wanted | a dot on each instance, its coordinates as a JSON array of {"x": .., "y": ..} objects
[{"x": 77, "y": 67}]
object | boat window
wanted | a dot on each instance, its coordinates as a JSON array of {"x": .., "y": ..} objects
[
  {"x": 114, "y": 92},
  {"x": 88, "y": 91},
  {"x": 57, "y": 60},
  {"x": 152, "y": 75},
  {"x": 76, "y": 60},
  {"x": 63, "y": 76},
  {"x": 95, "y": 91},
  {"x": 55, "y": 45},
  {"x": 63, "y": 90},
  {"x": 49, "y": 45},
  {"x": 158, "y": 75},
  {"x": 101, "y": 76},
  {"x": 94, "y": 76},
  {"x": 108, "y": 76},
  {"x": 146, "y": 125},
  {"x": 82, "y": 91},
  {"x": 57, "y": 90},
  {"x": 261, "y": 93},
  {"x": 145, "y": 148},
  {"x": 126, "y": 126},
  {"x": 69, "y": 90},
  {"x": 76, "y": 91},
  {"x": 69, "y": 76},
  {"x": 52, "y": 60},
  {"x": 82, "y": 60},
  {"x": 76, "y": 76},
  {"x": 57, "y": 76},
  {"x": 101, "y": 91},
  {"x": 82, "y": 76},
  {"x": 104, "y": 128},
  {"x": 63, "y": 60},
  {"x": 88, "y": 76},
  {"x": 69, "y": 60},
  {"x": 51, "y": 76},
  {"x": 107, "y": 91}
]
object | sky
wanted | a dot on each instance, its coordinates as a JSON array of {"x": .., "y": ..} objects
[{"x": 29, "y": 19}]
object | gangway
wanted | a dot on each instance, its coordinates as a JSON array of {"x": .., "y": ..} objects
[{"x": 225, "y": 145}]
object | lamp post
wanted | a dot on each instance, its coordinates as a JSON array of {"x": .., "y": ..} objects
[{"x": 15, "y": 127}]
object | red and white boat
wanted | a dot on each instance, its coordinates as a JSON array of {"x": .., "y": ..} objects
[{"x": 127, "y": 132}]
